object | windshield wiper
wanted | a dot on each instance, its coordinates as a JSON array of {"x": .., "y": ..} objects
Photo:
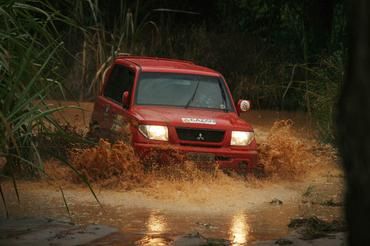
[
  {"x": 192, "y": 96},
  {"x": 223, "y": 97}
]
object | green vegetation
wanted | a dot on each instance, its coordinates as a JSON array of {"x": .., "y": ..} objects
[
  {"x": 322, "y": 93},
  {"x": 31, "y": 51},
  {"x": 29, "y": 62}
]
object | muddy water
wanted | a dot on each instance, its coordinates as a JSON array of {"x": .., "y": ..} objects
[
  {"x": 226, "y": 207},
  {"x": 242, "y": 215}
]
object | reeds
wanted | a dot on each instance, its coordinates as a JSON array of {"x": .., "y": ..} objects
[
  {"x": 30, "y": 62},
  {"x": 99, "y": 45},
  {"x": 28, "y": 71},
  {"x": 322, "y": 90}
]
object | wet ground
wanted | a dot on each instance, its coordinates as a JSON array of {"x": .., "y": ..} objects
[{"x": 229, "y": 208}]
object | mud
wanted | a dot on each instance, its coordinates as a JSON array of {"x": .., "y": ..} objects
[
  {"x": 30, "y": 231},
  {"x": 215, "y": 206}
]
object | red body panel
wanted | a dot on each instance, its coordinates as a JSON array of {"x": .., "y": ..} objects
[{"x": 106, "y": 112}]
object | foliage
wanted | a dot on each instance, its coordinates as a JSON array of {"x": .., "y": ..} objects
[
  {"x": 100, "y": 37},
  {"x": 319, "y": 88},
  {"x": 323, "y": 93},
  {"x": 28, "y": 71},
  {"x": 30, "y": 61}
]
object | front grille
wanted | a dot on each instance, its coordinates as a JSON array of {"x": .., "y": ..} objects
[{"x": 200, "y": 135}]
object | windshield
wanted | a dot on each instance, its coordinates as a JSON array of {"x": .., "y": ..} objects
[{"x": 182, "y": 90}]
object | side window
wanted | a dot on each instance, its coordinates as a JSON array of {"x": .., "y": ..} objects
[{"x": 120, "y": 80}]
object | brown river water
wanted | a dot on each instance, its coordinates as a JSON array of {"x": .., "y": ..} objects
[{"x": 221, "y": 206}]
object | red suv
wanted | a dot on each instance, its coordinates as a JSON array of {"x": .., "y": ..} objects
[{"x": 178, "y": 103}]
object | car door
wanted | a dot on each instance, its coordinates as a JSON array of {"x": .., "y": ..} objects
[{"x": 111, "y": 119}]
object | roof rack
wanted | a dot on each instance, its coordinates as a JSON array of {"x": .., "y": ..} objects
[{"x": 127, "y": 55}]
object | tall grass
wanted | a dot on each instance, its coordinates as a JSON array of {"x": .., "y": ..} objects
[
  {"x": 322, "y": 92},
  {"x": 317, "y": 87},
  {"x": 97, "y": 45},
  {"x": 28, "y": 70},
  {"x": 30, "y": 61}
]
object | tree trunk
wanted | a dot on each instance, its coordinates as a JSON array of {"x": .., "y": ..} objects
[{"x": 353, "y": 125}]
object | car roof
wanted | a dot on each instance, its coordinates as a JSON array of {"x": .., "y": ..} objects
[{"x": 156, "y": 64}]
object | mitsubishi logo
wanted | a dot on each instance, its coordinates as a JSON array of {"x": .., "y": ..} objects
[{"x": 200, "y": 137}]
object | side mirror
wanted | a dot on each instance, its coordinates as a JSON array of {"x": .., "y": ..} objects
[
  {"x": 125, "y": 99},
  {"x": 243, "y": 106}
]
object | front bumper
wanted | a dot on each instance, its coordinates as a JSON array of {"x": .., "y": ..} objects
[{"x": 239, "y": 159}]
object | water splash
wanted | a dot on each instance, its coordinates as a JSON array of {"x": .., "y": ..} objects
[
  {"x": 288, "y": 156},
  {"x": 180, "y": 185},
  {"x": 112, "y": 165}
]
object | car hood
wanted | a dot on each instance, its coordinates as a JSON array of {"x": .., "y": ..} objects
[{"x": 190, "y": 117}]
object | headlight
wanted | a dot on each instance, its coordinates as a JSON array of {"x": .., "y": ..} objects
[
  {"x": 154, "y": 132},
  {"x": 239, "y": 138}
]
